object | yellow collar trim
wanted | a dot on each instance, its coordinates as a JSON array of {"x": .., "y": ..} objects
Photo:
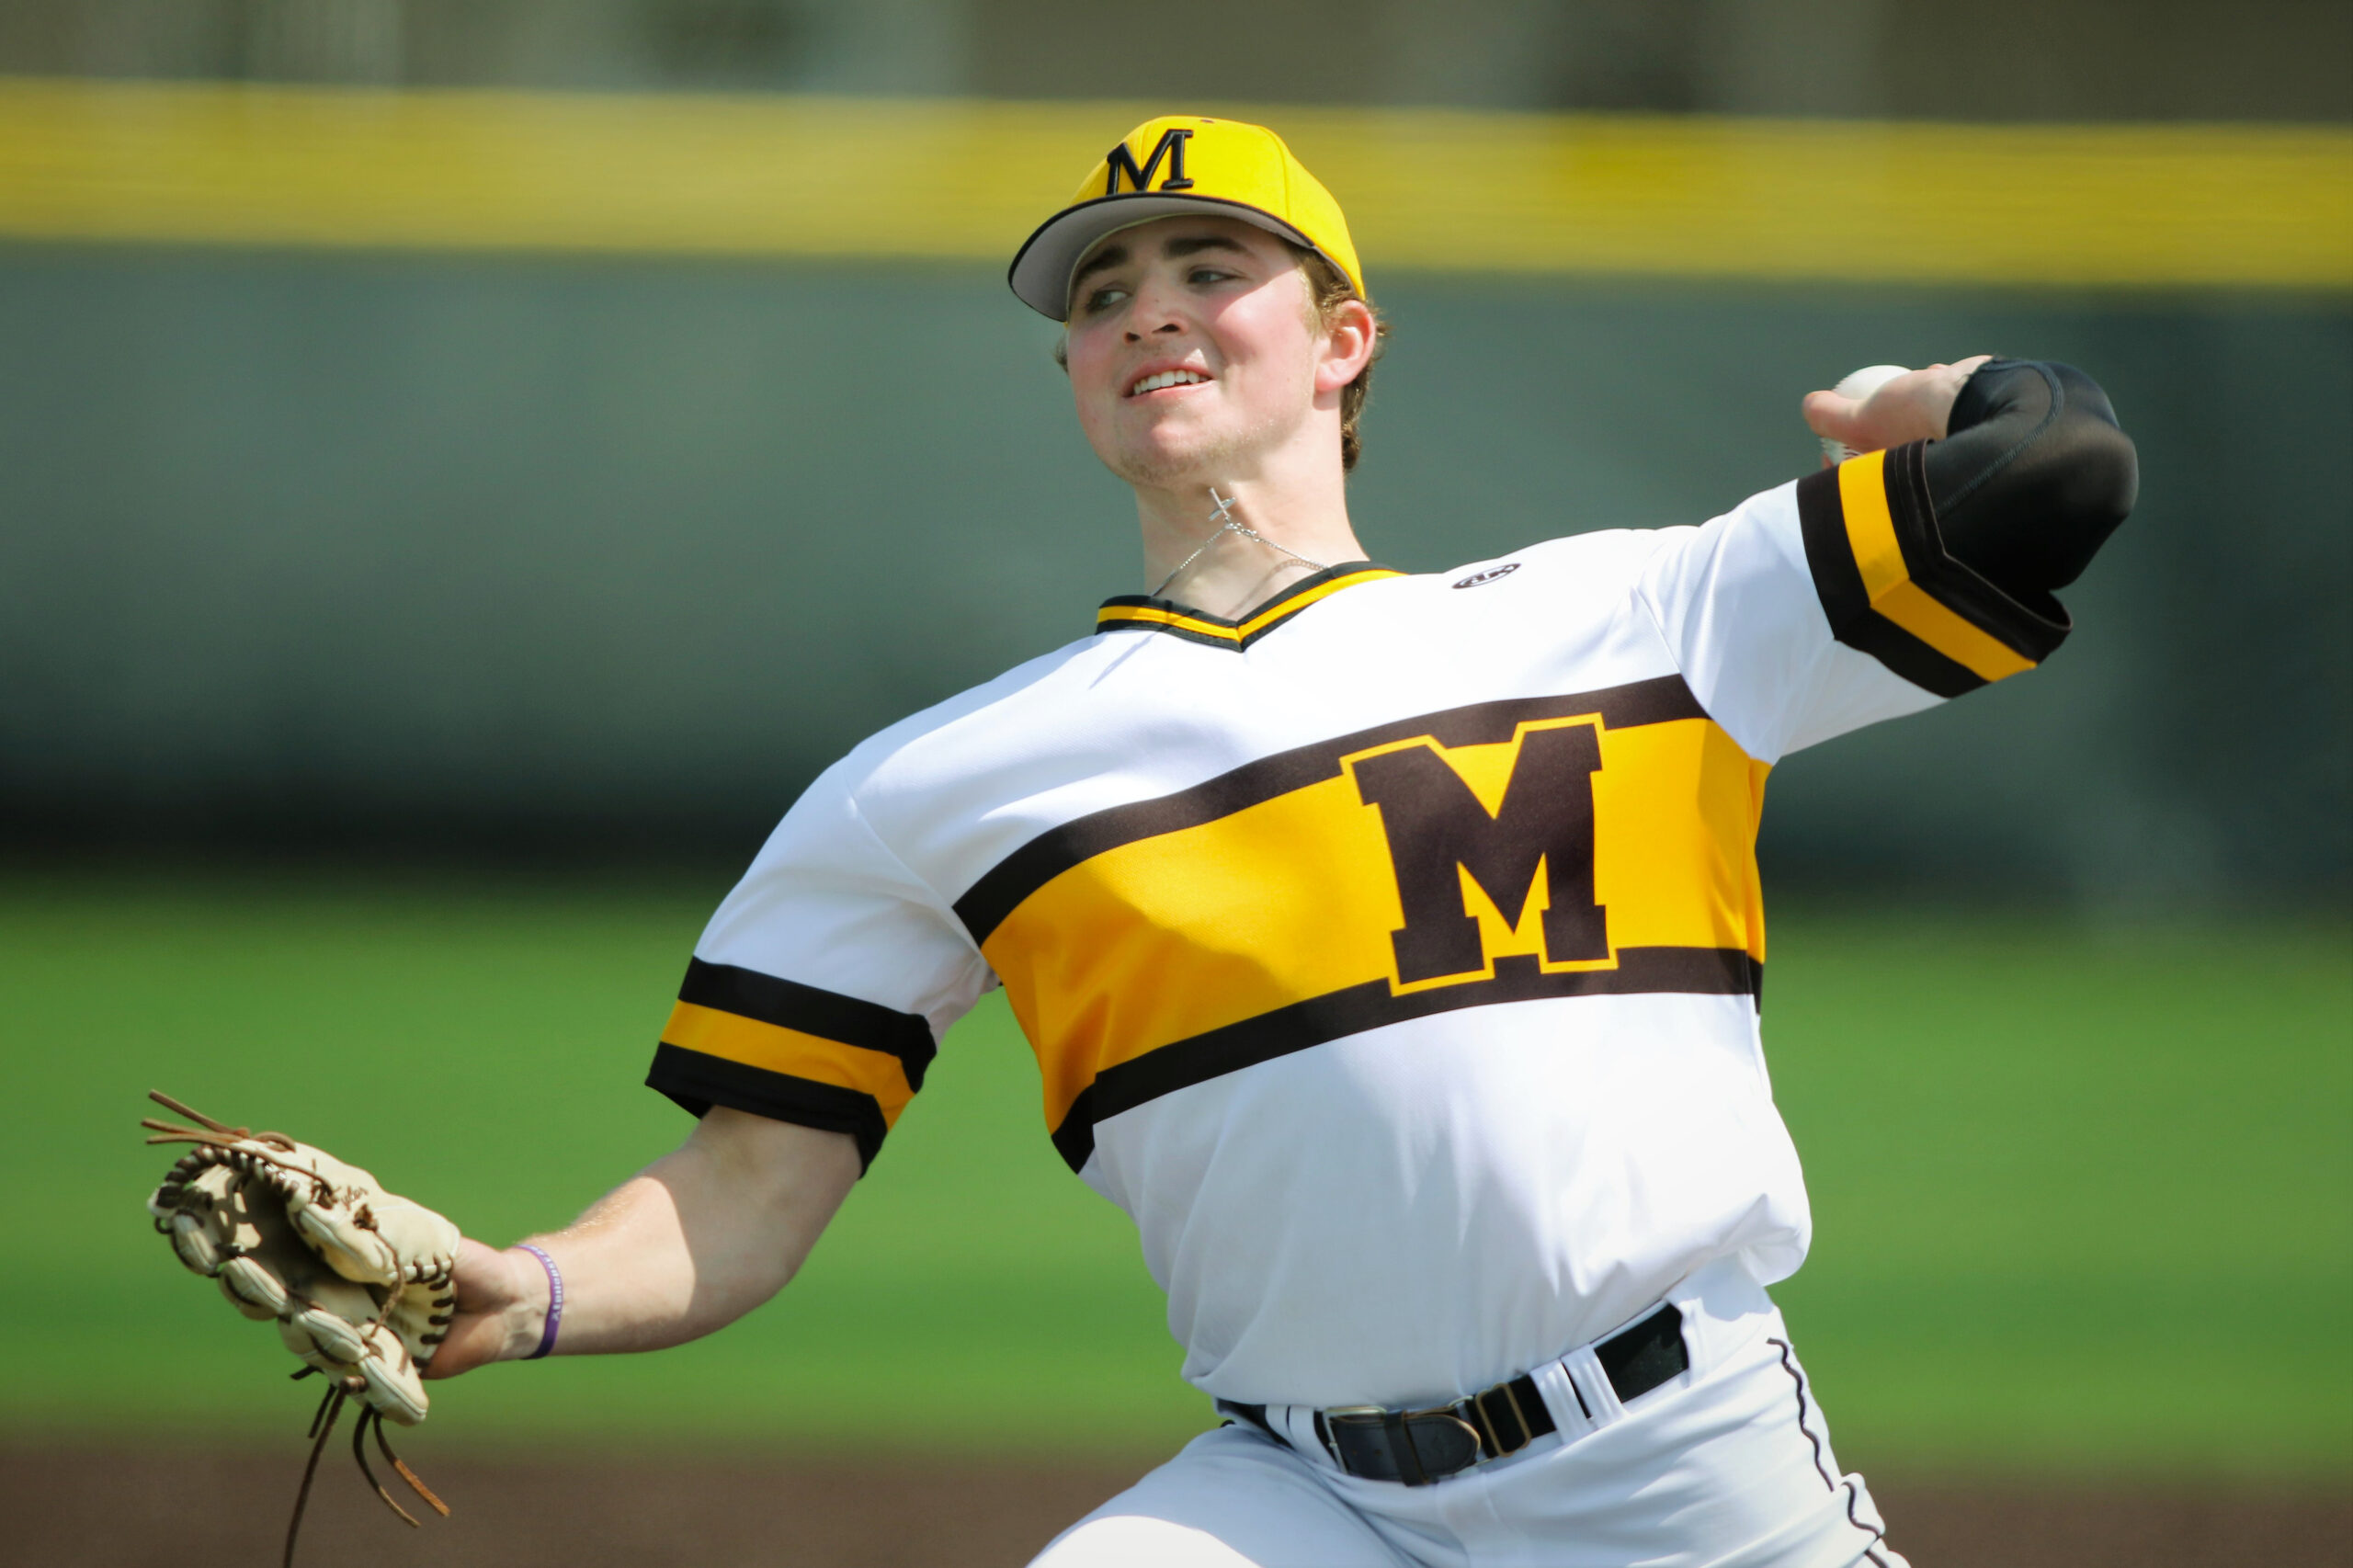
[{"x": 1158, "y": 614}]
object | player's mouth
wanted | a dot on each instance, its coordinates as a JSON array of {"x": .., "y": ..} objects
[{"x": 1162, "y": 381}]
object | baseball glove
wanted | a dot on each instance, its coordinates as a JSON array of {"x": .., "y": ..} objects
[{"x": 357, "y": 1279}]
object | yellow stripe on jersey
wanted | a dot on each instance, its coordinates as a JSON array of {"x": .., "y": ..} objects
[
  {"x": 1297, "y": 900},
  {"x": 790, "y": 1051},
  {"x": 1890, "y": 589},
  {"x": 774, "y": 1049},
  {"x": 1871, "y": 534},
  {"x": 1119, "y": 614}
]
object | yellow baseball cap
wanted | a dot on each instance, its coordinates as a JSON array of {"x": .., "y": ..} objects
[{"x": 1178, "y": 164}]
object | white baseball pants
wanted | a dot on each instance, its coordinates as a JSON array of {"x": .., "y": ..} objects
[{"x": 1728, "y": 1466}]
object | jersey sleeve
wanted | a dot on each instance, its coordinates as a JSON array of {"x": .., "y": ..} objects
[
  {"x": 819, "y": 991},
  {"x": 1832, "y": 603}
]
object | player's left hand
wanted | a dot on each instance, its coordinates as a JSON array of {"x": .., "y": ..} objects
[
  {"x": 357, "y": 1279},
  {"x": 502, "y": 1303},
  {"x": 1915, "y": 407}
]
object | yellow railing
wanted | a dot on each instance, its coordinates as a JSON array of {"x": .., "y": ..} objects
[{"x": 1425, "y": 190}]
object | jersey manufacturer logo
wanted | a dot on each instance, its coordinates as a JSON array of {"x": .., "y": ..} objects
[
  {"x": 1171, "y": 146},
  {"x": 1526, "y": 851},
  {"x": 1489, "y": 575}
]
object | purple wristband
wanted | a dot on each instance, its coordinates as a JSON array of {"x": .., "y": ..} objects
[{"x": 555, "y": 1301}]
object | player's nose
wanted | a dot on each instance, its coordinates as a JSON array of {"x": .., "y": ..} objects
[{"x": 1153, "y": 310}]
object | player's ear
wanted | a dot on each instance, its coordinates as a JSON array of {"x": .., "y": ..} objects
[{"x": 1350, "y": 333}]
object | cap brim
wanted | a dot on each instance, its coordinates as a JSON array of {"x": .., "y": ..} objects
[{"x": 1041, "y": 271}]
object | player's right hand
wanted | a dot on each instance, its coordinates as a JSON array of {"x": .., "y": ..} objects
[
  {"x": 1915, "y": 407},
  {"x": 502, "y": 1306}
]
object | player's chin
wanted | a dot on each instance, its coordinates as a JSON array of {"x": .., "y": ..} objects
[
  {"x": 1163, "y": 471},
  {"x": 1167, "y": 455}
]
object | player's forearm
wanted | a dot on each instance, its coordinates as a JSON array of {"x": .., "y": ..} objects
[
  {"x": 631, "y": 1279},
  {"x": 692, "y": 1242}
]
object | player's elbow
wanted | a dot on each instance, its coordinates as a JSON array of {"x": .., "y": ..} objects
[
  {"x": 2033, "y": 485},
  {"x": 2098, "y": 474},
  {"x": 2107, "y": 467}
]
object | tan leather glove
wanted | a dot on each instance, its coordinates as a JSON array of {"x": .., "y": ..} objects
[{"x": 356, "y": 1279}]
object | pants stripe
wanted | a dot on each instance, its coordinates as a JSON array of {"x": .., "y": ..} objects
[{"x": 1797, "y": 1377}]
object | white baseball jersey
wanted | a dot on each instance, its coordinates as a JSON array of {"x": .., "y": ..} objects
[{"x": 1392, "y": 956}]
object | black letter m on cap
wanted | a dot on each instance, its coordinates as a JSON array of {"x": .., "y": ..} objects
[{"x": 1170, "y": 146}]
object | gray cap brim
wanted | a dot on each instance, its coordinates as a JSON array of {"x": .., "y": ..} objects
[{"x": 1042, "y": 267}]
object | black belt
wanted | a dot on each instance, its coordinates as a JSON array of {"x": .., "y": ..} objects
[{"x": 1418, "y": 1446}]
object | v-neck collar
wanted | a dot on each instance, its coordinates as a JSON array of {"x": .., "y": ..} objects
[{"x": 1140, "y": 612}]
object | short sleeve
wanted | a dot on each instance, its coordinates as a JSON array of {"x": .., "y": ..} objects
[
  {"x": 823, "y": 984},
  {"x": 1830, "y": 603}
]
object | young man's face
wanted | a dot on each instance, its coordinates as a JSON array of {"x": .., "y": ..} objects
[{"x": 1193, "y": 349}]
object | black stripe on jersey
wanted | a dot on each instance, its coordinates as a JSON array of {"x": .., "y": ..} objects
[
  {"x": 1708, "y": 972},
  {"x": 1120, "y": 613},
  {"x": 1001, "y": 889},
  {"x": 1074, "y": 1139},
  {"x": 1852, "y": 620},
  {"x": 1838, "y": 582},
  {"x": 828, "y": 1015},
  {"x": 698, "y": 1081},
  {"x": 1114, "y": 620}
]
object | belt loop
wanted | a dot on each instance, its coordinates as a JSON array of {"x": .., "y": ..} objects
[
  {"x": 1254, "y": 1414},
  {"x": 1570, "y": 1413},
  {"x": 1591, "y": 1386},
  {"x": 1302, "y": 1427}
]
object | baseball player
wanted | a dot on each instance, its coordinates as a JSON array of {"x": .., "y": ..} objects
[{"x": 1391, "y": 946}]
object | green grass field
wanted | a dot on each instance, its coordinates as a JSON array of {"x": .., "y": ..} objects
[{"x": 2081, "y": 1193}]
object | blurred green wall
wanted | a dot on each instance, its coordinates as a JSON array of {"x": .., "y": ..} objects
[{"x": 606, "y": 558}]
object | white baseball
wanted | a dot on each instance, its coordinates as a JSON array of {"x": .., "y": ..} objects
[{"x": 1859, "y": 385}]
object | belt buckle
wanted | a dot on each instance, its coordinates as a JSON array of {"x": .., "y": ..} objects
[
  {"x": 1329, "y": 1420},
  {"x": 1394, "y": 1429}
]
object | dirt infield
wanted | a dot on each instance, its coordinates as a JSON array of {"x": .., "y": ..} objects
[{"x": 72, "y": 1508}]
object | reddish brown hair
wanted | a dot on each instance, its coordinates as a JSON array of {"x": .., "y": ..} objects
[{"x": 1328, "y": 289}]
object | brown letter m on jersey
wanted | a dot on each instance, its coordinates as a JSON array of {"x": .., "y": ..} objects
[{"x": 1435, "y": 825}]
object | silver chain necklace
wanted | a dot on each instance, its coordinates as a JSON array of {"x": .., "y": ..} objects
[{"x": 1228, "y": 523}]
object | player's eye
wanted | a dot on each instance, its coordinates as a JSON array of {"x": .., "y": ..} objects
[
  {"x": 1103, "y": 298},
  {"x": 1208, "y": 275}
]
